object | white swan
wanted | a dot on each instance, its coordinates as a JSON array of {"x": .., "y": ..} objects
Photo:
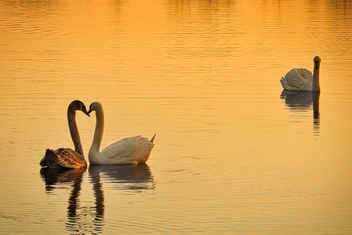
[
  {"x": 130, "y": 150},
  {"x": 302, "y": 79},
  {"x": 66, "y": 157}
]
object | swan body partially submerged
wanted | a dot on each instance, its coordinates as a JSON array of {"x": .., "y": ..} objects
[
  {"x": 66, "y": 157},
  {"x": 130, "y": 150},
  {"x": 300, "y": 79}
]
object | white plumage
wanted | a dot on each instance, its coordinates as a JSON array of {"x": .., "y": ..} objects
[
  {"x": 300, "y": 79},
  {"x": 130, "y": 150}
]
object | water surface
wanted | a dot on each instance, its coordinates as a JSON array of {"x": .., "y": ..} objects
[{"x": 233, "y": 154}]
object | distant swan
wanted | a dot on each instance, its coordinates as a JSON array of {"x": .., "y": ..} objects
[
  {"x": 130, "y": 150},
  {"x": 302, "y": 79},
  {"x": 66, "y": 157}
]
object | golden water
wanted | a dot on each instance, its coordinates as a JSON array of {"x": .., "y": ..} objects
[{"x": 230, "y": 156}]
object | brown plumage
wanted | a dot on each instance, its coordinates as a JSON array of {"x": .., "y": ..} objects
[
  {"x": 66, "y": 157},
  {"x": 63, "y": 157}
]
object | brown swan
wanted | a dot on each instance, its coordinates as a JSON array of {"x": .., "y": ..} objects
[{"x": 66, "y": 157}]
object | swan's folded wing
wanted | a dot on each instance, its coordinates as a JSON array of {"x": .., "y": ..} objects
[
  {"x": 121, "y": 149},
  {"x": 295, "y": 81},
  {"x": 66, "y": 157},
  {"x": 305, "y": 73},
  {"x": 128, "y": 150}
]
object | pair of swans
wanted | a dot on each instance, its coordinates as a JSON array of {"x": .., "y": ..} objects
[
  {"x": 300, "y": 79},
  {"x": 130, "y": 150}
]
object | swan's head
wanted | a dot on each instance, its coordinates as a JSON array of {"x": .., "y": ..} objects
[
  {"x": 316, "y": 61},
  {"x": 78, "y": 105},
  {"x": 94, "y": 106}
]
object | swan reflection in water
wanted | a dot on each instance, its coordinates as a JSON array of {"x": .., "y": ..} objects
[
  {"x": 53, "y": 176},
  {"x": 302, "y": 101},
  {"x": 134, "y": 178},
  {"x": 81, "y": 219}
]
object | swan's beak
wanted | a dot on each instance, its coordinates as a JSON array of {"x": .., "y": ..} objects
[
  {"x": 90, "y": 110},
  {"x": 85, "y": 112}
]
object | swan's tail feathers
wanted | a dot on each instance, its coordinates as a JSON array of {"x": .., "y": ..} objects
[
  {"x": 49, "y": 159},
  {"x": 152, "y": 139},
  {"x": 283, "y": 83},
  {"x": 42, "y": 162}
]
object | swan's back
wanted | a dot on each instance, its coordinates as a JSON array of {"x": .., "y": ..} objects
[
  {"x": 63, "y": 157},
  {"x": 130, "y": 150},
  {"x": 298, "y": 79},
  {"x": 305, "y": 73}
]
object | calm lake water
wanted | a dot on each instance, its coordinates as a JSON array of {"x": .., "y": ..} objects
[{"x": 232, "y": 155}]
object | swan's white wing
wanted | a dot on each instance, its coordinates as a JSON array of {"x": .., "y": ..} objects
[
  {"x": 305, "y": 74},
  {"x": 119, "y": 151},
  {"x": 294, "y": 80},
  {"x": 130, "y": 150}
]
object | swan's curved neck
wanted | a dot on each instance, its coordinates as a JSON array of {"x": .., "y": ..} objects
[
  {"x": 98, "y": 133},
  {"x": 315, "y": 81},
  {"x": 72, "y": 125}
]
